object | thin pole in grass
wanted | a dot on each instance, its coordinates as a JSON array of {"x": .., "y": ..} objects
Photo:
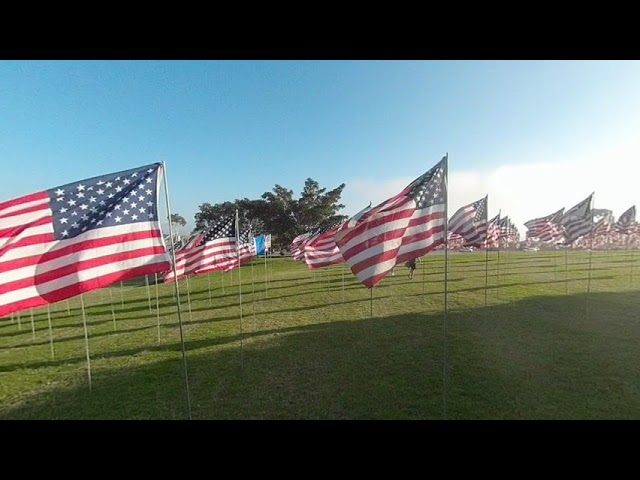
[
  {"x": 343, "y": 267},
  {"x": 498, "y": 267},
  {"x": 175, "y": 275},
  {"x": 253, "y": 297},
  {"x": 122, "y": 295},
  {"x": 86, "y": 340},
  {"x": 209, "y": 284},
  {"x": 590, "y": 257},
  {"x": 157, "y": 305},
  {"x": 186, "y": 278},
  {"x": 19, "y": 323},
  {"x": 486, "y": 250},
  {"x": 33, "y": 326},
  {"x": 222, "y": 280},
  {"x": 371, "y": 302},
  {"x": 68, "y": 308},
  {"x": 239, "y": 289},
  {"x": 446, "y": 291},
  {"x": 113, "y": 310},
  {"x": 53, "y": 353},
  {"x": 266, "y": 287},
  {"x": 566, "y": 270},
  {"x": 146, "y": 281}
]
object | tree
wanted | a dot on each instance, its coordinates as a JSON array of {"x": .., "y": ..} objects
[
  {"x": 178, "y": 219},
  {"x": 278, "y": 212}
]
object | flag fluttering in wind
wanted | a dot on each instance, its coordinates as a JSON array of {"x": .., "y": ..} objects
[
  {"x": 626, "y": 224},
  {"x": 470, "y": 222},
  {"x": 402, "y": 228},
  {"x": 246, "y": 249},
  {"x": 546, "y": 229},
  {"x": 297, "y": 246},
  {"x": 78, "y": 237},
  {"x": 577, "y": 221},
  {"x": 320, "y": 250},
  {"x": 208, "y": 250},
  {"x": 493, "y": 232}
]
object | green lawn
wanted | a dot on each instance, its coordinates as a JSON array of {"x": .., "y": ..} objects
[{"x": 308, "y": 349}]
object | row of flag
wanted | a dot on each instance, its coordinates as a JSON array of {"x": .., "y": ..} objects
[{"x": 89, "y": 234}]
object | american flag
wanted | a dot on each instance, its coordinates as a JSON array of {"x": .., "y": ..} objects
[
  {"x": 626, "y": 224},
  {"x": 208, "y": 250},
  {"x": 320, "y": 250},
  {"x": 246, "y": 249},
  {"x": 546, "y": 229},
  {"x": 470, "y": 222},
  {"x": 577, "y": 221},
  {"x": 78, "y": 237},
  {"x": 605, "y": 224},
  {"x": 493, "y": 232},
  {"x": 297, "y": 246},
  {"x": 404, "y": 227},
  {"x": 267, "y": 242}
]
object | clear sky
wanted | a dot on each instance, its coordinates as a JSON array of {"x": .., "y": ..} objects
[{"x": 534, "y": 135}]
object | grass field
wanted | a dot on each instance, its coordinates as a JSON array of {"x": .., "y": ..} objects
[{"x": 309, "y": 348}]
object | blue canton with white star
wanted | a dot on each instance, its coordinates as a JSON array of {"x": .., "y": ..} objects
[
  {"x": 431, "y": 188},
  {"x": 109, "y": 200}
]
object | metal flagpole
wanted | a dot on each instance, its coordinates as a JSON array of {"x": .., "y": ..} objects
[
  {"x": 113, "y": 311},
  {"x": 222, "y": 280},
  {"x": 446, "y": 292},
  {"x": 240, "y": 289},
  {"x": 12, "y": 319},
  {"x": 53, "y": 353},
  {"x": 175, "y": 275},
  {"x": 157, "y": 306},
  {"x": 590, "y": 257},
  {"x": 33, "y": 326},
  {"x": 486, "y": 252},
  {"x": 253, "y": 297},
  {"x": 146, "y": 281},
  {"x": 343, "y": 267},
  {"x": 122, "y": 294},
  {"x": 498, "y": 268},
  {"x": 209, "y": 283},
  {"x": 68, "y": 308},
  {"x": 86, "y": 339},
  {"x": 566, "y": 272},
  {"x": 371, "y": 303},
  {"x": 186, "y": 278},
  {"x": 19, "y": 324},
  {"x": 266, "y": 287}
]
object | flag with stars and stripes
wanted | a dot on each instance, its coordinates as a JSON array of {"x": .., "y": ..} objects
[
  {"x": 546, "y": 229},
  {"x": 493, "y": 232},
  {"x": 578, "y": 221},
  {"x": 246, "y": 249},
  {"x": 297, "y": 246},
  {"x": 78, "y": 237},
  {"x": 626, "y": 224},
  {"x": 402, "y": 228},
  {"x": 321, "y": 250},
  {"x": 212, "y": 249},
  {"x": 470, "y": 222}
]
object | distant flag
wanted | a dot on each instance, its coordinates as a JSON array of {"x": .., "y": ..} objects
[
  {"x": 546, "y": 229},
  {"x": 321, "y": 250},
  {"x": 208, "y": 250},
  {"x": 470, "y": 222},
  {"x": 577, "y": 221},
  {"x": 626, "y": 224},
  {"x": 246, "y": 249},
  {"x": 267, "y": 242},
  {"x": 404, "y": 227},
  {"x": 297, "y": 246},
  {"x": 78, "y": 237},
  {"x": 493, "y": 232},
  {"x": 605, "y": 224}
]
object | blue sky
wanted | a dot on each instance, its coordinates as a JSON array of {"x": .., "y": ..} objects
[{"x": 535, "y": 135}]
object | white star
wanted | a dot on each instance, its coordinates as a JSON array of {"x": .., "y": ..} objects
[
  {"x": 84, "y": 207},
  {"x": 110, "y": 195},
  {"x": 117, "y": 207},
  {"x": 150, "y": 170},
  {"x": 141, "y": 197},
  {"x": 60, "y": 199},
  {"x": 99, "y": 182},
  {"x": 118, "y": 219},
  {"x": 74, "y": 213},
  {"x": 149, "y": 191},
  {"x": 65, "y": 233},
  {"x": 108, "y": 184},
  {"x": 74, "y": 224},
  {"x": 99, "y": 222},
  {"x": 64, "y": 220},
  {"x": 90, "y": 188},
  {"x": 150, "y": 204},
  {"x": 80, "y": 187},
  {"x": 126, "y": 181},
  {"x": 92, "y": 199},
  {"x": 93, "y": 209},
  {"x": 134, "y": 204},
  {"x": 140, "y": 187},
  {"x": 125, "y": 199},
  {"x": 85, "y": 217},
  {"x": 100, "y": 191},
  {"x": 118, "y": 188},
  {"x": 63, "y": 210},
  {"x": 149, "y": 180},
  {"x": 71, "y": 202},
  {"x": 125, "y": 211},
  {"x": 102, "y": 202},
  {"x": 80, "y": 195},
  {"x": 134, "y": 175},
  {"x": 142, "y": 210},
  {"x": 93, "y": 220},
  {"x": 134, "y": 217},
  {"x": 108, "y": 214},
  {"x": 59, "y": 192},
  {"x": 117, "y": 179}
]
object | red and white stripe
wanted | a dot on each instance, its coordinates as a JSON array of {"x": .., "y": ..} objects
[
  {"x": 322, "y": 251},
  {"x": 36, "y": 269},
  {"x": 216, "y": 254},
  {"x": 462, "y": 223}
]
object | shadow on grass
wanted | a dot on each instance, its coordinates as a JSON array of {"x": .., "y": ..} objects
[{"x": 541, "y": 357}]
